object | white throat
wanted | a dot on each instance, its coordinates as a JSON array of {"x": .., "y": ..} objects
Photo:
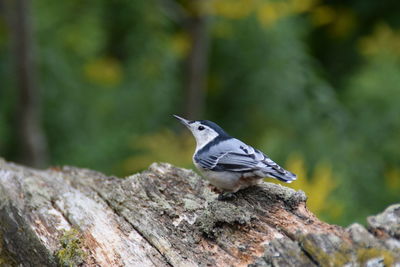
[{"x": 203, "y": 139}]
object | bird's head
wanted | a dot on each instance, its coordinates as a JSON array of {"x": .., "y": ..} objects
[{"x": 203, "y": 131}]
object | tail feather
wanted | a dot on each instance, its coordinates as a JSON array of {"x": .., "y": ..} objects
[
  {"x": 273, "y": 170},
  {"x": 285, "y": 176}
]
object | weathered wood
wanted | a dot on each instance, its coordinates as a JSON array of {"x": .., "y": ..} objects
[{"x": 167, "y": 216}]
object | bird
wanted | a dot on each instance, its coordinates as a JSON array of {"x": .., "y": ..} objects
[{"x": 228, "y": 163}]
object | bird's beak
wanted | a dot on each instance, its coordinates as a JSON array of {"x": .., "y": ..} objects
[{"x": 182, "y": 120}]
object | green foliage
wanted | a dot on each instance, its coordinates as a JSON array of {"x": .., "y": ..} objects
[
  {"x": 292, "y": 77},
  {"x": 160, "y": 147},
  {"x": 105, "y": 75}
]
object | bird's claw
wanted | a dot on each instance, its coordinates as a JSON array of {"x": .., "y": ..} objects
[{"x": 226, "y": 196}]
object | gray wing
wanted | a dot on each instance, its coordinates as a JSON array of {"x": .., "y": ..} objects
[
  {"x": 236, "y": 156},
  {"x": 225, "y": 152},
  {"x": 231, "y": 155}
]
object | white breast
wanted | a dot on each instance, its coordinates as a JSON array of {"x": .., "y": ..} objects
[
  {"x": 230, "y": 181},
  {"x": 226, "y": 181}
]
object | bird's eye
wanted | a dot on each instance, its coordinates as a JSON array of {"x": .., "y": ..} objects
[{"x": 201, "y": 128}]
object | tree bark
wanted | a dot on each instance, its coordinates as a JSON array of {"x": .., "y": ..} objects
[
  {"x": 167, "y": 216},
  {"x": 196, "y": 62},
  {"x": 32, "y": 140}
]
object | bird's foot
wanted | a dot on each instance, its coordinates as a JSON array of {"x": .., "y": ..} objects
[{"x": 226, "y": 196}]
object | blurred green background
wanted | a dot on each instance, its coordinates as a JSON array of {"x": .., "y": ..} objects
[{"x": 314, "y": 84}]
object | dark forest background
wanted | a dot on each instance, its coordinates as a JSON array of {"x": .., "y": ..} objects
[{"x": 314, "y": 84}]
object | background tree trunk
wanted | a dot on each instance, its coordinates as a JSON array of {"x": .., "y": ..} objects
[
  {"x": 31, "y": 138},
  {"x": 197, "y": 60},
  {"x": 167, "y": 216}
]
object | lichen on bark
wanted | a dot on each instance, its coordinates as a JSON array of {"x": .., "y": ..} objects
[{"x": 71, "y": 251}]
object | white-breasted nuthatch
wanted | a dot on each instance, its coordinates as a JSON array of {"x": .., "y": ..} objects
[{"x": 228, "y": 163}]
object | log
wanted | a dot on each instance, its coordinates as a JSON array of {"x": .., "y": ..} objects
[{"x": 168, "y": 216}]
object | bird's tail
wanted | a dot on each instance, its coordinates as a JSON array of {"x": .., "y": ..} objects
[
  {"x": 284, "y": 176},
  {"x": 273, "y": 170}
]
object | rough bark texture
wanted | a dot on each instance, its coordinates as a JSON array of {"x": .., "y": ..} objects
[{"x": 167, "y": 216}]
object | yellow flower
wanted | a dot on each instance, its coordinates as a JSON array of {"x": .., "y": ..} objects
[
  {"x": 300, "y": 6},
  {"x": 318, "y": 189},
  {"x": 231, "y": 9},
  {"x": 383, "y": 40},
  {"x": 269, "y": 13}
]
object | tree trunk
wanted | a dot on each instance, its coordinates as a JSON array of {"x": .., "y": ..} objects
[
  {"x": 196, "y": 64},
  {"x": 32, "y": 140},
  {"x": 167, "y": 216}
]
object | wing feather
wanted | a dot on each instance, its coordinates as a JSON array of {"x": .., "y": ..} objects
[{"x": 233, "y": 156}]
